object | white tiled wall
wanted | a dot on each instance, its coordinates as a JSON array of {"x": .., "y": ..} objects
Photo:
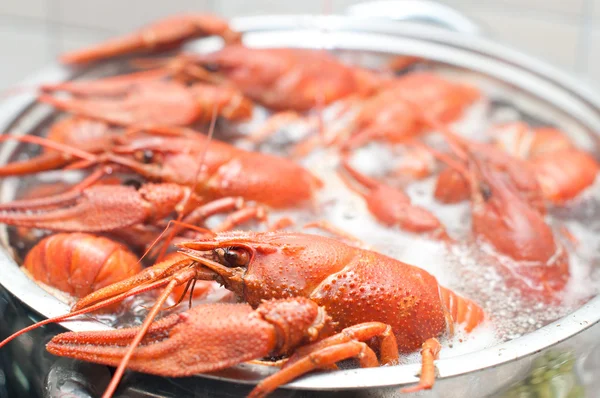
[{"x": 34, "y": 32}]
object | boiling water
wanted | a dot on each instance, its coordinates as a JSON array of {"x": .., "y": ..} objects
[{"x": 468, "y": 267}]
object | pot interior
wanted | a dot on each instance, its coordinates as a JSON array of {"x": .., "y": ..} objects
[{"x": 515, "y": 87}]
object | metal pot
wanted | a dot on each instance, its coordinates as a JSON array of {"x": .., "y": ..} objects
[{"x": 531, "y": 85}]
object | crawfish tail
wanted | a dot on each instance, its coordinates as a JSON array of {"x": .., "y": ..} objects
[{"x": 462, "y": 309}]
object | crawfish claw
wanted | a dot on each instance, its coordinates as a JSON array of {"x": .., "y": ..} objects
[
  {"x": 203, "y": 339},
  {"x": 99, "y": 208}
]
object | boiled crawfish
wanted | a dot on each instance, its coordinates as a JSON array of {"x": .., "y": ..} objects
[
  {"x": 391, "y": 206},
  {"x": 79, "y": 264},
  {"x": 227, "y": 170},
  {"x": 388, "y": 117},
  {"x": 563, "y": 171},
  {"x": 352, "y": 285},
  {"x": 111, "y": 208},
  {"x": 88, "y": 135},
  {"x": 502, "y": 217},
  {"x": 161, "y": 35},
  {"x": 452, "y": 186},
  {"x": 285, "y": 79},
  {"x": 394, "y": 113},
  {"x": 149, "y": 102}
]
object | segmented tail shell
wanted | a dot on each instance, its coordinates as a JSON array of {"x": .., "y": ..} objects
[
  {"x": 79, "y": 263},
  {"x": 462, "y": 310}
]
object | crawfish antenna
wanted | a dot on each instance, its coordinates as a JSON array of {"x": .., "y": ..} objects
[
  {"x": 69, "y": 150},
  {"x": 201, "y": 163},
  {"x": 211, "y": 132},
  {"x": 83, "y": 311},
  {"x": 356, "y": 177},
  {"x": 458, "y": 144},
  {"x": 110, "y": 390},
  {"x": 444, "y": 158}
]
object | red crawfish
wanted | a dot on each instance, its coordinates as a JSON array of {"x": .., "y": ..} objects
[
  {"x": 394, "y": 113},
  {"x": 391, "y": 206},
  {"x": 563, "y": 171},
  {"x": 285, "y": 79},
  {"x": 508, "y": 212},
  {"x": 88, "y": 135},
  {"x": 111, "y": 208},
  {"x": 451, "y": 186},
  {"x": 79, "y": 263},
  {"x": 353, "y": 286},
  {"x": 160, "y": 35},
  {"x": 388, "y": 117},
  {"x": 146, "y": 101},
  {"x": 516, "y": 229},
  {"x": 227, "y": 171}
]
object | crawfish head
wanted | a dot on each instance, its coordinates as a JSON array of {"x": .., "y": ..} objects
[
  {"x": 518, "y": 230},
  {"x": 229, "y": 255},
  {"x": 258, "y": 266}
]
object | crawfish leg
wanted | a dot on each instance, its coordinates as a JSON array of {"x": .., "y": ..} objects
[
  {"x": 91, "y": 179},
  {"x": 429, "y": 353},
  {"x": 143, "y": 281},
  {"x": 201, "y": 213},
  {"x": 328, "y": 137},
  {"x": 388, "y": 346},
  {"x": 310, "y": 143},
  {"x": 272, "y": 125},
  {"x": 325, "y": 353},
  {"x": 280, "y": 224},
  {"x": 214, "y": 207},
  {"x": 317, "y": 360},
  {"x": 241, "y": 214}
]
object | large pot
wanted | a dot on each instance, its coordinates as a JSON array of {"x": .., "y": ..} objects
[{"x": 534, "y": 85}]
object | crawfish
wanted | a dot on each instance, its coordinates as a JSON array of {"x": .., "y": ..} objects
[
  {"x": 562, "y": 170},
  {"x": 85, "y": 134},
  {"x": 351, "y": 284},
  {"x": 386, "y": 116},
  {"x": 161, "y": 35},
  {"x": 79, "y": 263},
  {"x": 148, "y": 102},
  {"x": 524, "y": 142},
  {"x": 287, "y": 79},
  {"x": 507, "y": 212},
  {"x": 227, "y": 170},
  {"x": 394, "y": 113},
  {"x": 29, "y": 237},
  {"x": 110, "y": 208},
  {"x": 502, "y": 217},
  {"x": 391, "y": 206},
  {"x": 452, "y": 186}
]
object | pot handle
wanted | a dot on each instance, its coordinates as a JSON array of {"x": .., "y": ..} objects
[{"x": 423, "y": 11}]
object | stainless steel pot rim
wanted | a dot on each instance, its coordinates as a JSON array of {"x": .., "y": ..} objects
[{"x": 35, "y": 297}]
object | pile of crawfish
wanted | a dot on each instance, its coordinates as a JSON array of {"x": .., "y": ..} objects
[{"x": 154, "y": 183}]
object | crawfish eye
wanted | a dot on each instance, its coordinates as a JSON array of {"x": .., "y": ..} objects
[
  {"x": 146, "y": 156},
  {"x": 486, "y": 191},
  {"x": 133, "y": 183},
  {"x": 234, "y": 257},
  {"x": 211, "y": 67}
]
